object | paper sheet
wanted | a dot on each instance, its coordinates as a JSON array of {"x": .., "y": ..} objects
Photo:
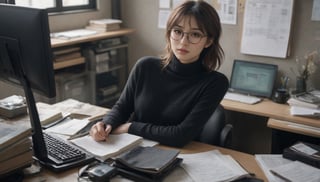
[{"x": 266, "y": 27}]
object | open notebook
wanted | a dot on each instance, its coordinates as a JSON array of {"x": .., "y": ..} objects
[{"x": 252, "y": 78}]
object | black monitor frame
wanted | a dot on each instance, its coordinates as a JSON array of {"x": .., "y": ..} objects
[
  {"x": 272, "y": 70},
  {"x": 26, "y": 60}
]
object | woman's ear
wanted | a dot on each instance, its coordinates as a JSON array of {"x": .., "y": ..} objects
[{"x": 208, "y": 43}]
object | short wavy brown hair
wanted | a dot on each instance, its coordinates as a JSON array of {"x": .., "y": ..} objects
[{"x": 209, "y": 23}]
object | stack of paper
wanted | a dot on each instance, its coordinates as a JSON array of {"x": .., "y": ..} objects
[
  {"x": 307, "y": 104},
  {"x": 212, "y": 166},
  {"x": 15, "y": 148},
  {"x": 104, "y": 25}
]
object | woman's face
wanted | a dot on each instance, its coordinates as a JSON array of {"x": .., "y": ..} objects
[{"x": 187, "y": 40}]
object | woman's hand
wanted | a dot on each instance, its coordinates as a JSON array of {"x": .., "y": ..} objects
[{"x": 100, "y": 131}]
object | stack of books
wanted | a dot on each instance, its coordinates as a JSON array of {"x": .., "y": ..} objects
[
  {"x": 15, "y": 148},
  {"x": 306, "y": 104},
  {"x": 104, "y": 25},
  {"x": 67, "y": 56}
]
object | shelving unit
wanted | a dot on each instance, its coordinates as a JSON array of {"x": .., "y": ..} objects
[
  {"x": 108, "y": 68},
  {"x": 99, "y": 74}
]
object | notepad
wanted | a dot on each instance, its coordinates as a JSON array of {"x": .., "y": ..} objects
[{"x": 115, "y": 145}]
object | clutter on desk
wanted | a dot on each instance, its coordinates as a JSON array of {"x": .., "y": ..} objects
[
  {"x": 71, "y": 34},
  {"x": 104, "y": 25},
  {"x": 13, "y": 106},
  {"x": 305, "y": 104},
  {"x": 15, "y": 148}
]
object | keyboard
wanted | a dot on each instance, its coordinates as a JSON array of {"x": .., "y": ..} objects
[
  {"x": 247, "y": 99},
  {"x": 60, "y": 151}
]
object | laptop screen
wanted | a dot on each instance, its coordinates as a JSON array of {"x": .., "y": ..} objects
[{"x": 253, "y": 78}]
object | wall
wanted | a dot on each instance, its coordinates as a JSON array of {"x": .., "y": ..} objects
[
  {"x": 149, "y": 40},
  {"x": 251, "y": 133}
]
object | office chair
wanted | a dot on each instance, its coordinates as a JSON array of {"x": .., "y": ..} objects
[{"x": 216, "y": 131}]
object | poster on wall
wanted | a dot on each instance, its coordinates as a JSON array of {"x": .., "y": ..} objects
[{"x": 266, "y": 27}]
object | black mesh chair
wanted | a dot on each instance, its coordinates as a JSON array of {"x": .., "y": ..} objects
[{"x": 216, "y": 131}]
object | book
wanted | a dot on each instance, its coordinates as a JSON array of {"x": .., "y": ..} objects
[
  {"x": 10, "y": 134},
  {"x": 147, "y": 159},
  {"x": 115, "y": 145},
  {"x": 17, "y": 162},
  {"x": 15, "y": 149}
]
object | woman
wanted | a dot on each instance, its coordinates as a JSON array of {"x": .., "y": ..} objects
[{"x": 173, "y": 97}]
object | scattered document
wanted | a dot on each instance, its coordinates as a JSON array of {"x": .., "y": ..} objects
[
  {"x": 212, "y": 166},
  {"x": 163, "y": 18},
  {"x": 68, "y": 127},
  {"x": 267, "y": 161},
  {"x": 73, "y": 34},
  {"x": 304, "y": 111},
  {"x": 316, "y": 11},
  {"x": 266, "y": 27},
  {"x": 297, "y": 171},
  {"x": 228, "y": 11}
]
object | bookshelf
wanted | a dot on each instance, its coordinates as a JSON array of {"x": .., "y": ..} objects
[{"x": 82, "y": 65}]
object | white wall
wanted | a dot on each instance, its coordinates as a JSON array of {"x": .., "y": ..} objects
[{"x": 142, "y": 15}]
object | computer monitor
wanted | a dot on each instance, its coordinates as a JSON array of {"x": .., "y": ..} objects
[
  {"x": 26, "y": 60},
  {"x": 253, "y": 78}
]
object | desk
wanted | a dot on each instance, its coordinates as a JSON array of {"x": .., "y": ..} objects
[
  {"x": 279, "y": 117},
  {"x": 246, "y": 160}
]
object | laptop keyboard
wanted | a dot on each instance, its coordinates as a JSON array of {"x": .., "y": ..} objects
[
  {"x": 247, "y": 99},
  {"x": 61, "y": 152}
]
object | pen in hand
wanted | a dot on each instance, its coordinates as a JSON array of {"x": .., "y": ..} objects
[{"x": 100, "y": 131}]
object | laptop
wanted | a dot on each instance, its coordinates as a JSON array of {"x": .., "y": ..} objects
[{"x": 252, "y": 78}]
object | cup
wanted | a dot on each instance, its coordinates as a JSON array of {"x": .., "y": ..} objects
[{"x": 280, "y": 96}]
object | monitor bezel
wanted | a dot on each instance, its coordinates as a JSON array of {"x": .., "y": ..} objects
[{"x": 249, "y": 91}]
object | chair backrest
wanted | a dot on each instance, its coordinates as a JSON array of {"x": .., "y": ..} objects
[{"x": 211, "y": 132}]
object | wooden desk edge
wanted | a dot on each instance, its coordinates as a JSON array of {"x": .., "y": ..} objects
[
  {"x": 99, "y": 36},
  {"x": 295, "y": 128},
  {"x": 269, "y": 109}
]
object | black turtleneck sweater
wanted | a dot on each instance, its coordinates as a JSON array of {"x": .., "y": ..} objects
[{"x": 170, "y": 105}]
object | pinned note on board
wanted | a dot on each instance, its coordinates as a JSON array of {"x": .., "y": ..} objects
[{"x": 266, "y": 28}]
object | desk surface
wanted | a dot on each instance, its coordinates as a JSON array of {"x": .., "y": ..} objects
[
  {"x": 59, "y": 43},
  {"x": 246, "y": 160},
  {"x": 270, "y": 109}
]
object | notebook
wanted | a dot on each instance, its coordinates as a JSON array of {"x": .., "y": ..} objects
[{"x": 253, "y": 78}]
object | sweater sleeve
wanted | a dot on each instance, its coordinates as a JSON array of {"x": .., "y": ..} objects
[{"x": 180, "y": 134}]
